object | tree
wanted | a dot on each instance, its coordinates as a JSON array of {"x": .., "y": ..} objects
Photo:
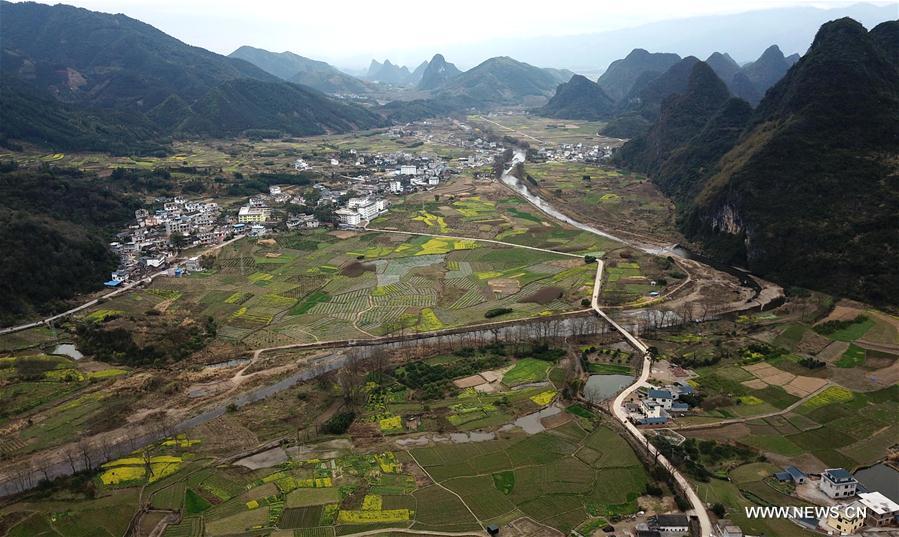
[
  {"x": 178, "y": 240},
  {"x": 589, "y": 259},
  {"x": 719, "y": 510},
  {"x": 351, "y": 379}
]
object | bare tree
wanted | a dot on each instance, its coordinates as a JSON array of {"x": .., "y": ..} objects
[
  {"x": 71, "y": 455},
  {"x": 84, "y": 450},
  {"x": 351, "y": 379}
]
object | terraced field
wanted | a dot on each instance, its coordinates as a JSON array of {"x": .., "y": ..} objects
[{"x": 316, "y": 286}]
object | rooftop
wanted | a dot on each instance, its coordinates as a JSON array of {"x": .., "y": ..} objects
[
  {"x": 878, "y": 503},
  {"x": 838, "y": 475}
]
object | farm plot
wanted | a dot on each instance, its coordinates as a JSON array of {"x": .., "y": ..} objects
[
  {"x": 540, "y": 476},
  {"x": 309, "y": 286},
  {"x": 629, "y": 200}
]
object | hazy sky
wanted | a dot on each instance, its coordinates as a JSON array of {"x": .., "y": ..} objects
[{"x": 350, "y": 32}]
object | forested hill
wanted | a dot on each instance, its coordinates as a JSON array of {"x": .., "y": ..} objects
[
  {"x": 805, "y": 189},
  {"x": 56, "y": 226},
  {"x": 78, "y": 79}
]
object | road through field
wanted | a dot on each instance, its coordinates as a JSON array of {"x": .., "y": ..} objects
[
  {"x": 121, "y": 290},
  {"x": 730, "y": 421}
]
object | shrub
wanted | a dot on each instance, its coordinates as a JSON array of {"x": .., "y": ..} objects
[
  {"x": 496, "y": 312},
  {"x": 339, "y": 423}
]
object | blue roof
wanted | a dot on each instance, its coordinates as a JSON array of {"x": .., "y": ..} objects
[
  {"x": 653, "y": 421},
  {"x": 659, "y": 394},
  {"x": 686, "y": 388},
  {"x": 113, "y": 283},
  {"x": 794, "y": 472},
  {"x": 783, "y": 476},
  {"x": 838, "y": 474},
  {"x": 680, "y": 406}
]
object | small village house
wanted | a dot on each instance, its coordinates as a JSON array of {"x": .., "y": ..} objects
[{"x": 838, "y": 483}]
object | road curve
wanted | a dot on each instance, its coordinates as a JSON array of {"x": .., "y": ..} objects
[
  {"x": 705, "y": 523},
  {"x": 121, "y": 290}
]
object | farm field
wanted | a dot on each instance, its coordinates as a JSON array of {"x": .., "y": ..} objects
[
  {"x": 30, "y": 383},
  {"x": 244, "y": 155},
  {"x": 487, "y": 211},
  {"x": 834, "y": 428},
  {"x": 635, "y": 278},
  {"x": 557, "y": 131},
  {"x": 319, "y": 286},
  {"x": 465, "y": 391},
  {"x": 615, "y": 199},
  {"x": 562, "y": 478}
]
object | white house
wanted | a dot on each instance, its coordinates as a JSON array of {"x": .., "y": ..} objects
[
  {"x": 881, "y": 511},
  {"x": 367, "y": 209},
  {"x": 662, "y": 398},
  {"x": 838, "y": 483},
  {"x": 274, "y": 190},
  {"x": 408, "y": 170},
  {"x": 335, "y": 162},
  {"x": 348, "y": 217},
  {"x": 396, "y": 187}
]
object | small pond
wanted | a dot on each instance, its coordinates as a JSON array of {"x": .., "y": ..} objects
[
  {"x": 603, "y": 387},
  {"x": 880, "y": 478}
]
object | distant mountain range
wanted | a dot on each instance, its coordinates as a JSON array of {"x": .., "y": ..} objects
[
  {"x": 301, "y": 70},
  {"x": 388, "y": 73},
  {"x": 744, "y": 34},
  {"x": 639, "y": 83},
  {"x": 751, "y": 81},
  {"x": 804, "y": 188},
  {"x": 77, "y": 79}
]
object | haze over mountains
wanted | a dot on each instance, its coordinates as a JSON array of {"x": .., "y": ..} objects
[
  {"x": 632, "y": 90},
  {"x": 301, "y": 70},
  {"x": 743, "y": 35}
]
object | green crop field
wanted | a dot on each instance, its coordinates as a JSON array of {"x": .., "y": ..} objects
[
  {"x": 542, "y": 478},
  {"x": 324, "y": 287},
  {"x": 525, "y": 371}
]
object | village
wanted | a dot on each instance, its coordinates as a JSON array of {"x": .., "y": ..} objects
[{"x": 352, "y": 189}]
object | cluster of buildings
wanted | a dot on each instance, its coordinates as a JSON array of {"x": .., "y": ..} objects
[
  {"x": 359, "y": 210},
  {"x": 575, "y": 153},
  {"x": 656, "y": 406},
  {"x": 146, "y": 246},
  {"x": 854, "y": 507}
]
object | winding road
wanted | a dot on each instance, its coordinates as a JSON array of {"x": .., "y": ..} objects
[
  {"x": 705, "y": 523},
  {"x": 119, "y": 291}
]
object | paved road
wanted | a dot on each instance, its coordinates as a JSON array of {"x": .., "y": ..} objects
[
  {"x": 730, "y": 421},
  {"x": 119, "y": 291},
  {"x": 705, "y": 523}
]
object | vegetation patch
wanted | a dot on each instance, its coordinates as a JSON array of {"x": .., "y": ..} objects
[{"x": 525, "y": 371}]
